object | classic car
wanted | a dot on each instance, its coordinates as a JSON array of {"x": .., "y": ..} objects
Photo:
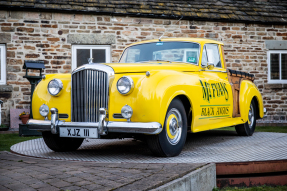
[{"x": 158, "y": 92}]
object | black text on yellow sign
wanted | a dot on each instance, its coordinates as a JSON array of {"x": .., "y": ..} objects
[
  {"x": 213, "y": 90},
  {"x": 214, "y": 111}
]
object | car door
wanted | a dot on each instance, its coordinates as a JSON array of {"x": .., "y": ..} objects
[{"x": 216, "y": 105}]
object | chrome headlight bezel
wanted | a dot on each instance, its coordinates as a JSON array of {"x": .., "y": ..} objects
[
  {"x": 129, "y": 87},
  {"x": 59, "y": 88}
]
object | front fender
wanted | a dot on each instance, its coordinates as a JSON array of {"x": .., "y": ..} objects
[
  {"x": 172, "y": 84},
  {"x": 152, "y": 95},
  {"x": 248, "y": 91},
  {"x": 61, "y": 102}
]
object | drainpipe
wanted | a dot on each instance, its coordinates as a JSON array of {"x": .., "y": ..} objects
[{"x": 0, "y": 110}]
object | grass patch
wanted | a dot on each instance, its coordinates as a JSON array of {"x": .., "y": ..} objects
[
  {"x": 3, "y": 127},
  {"x": 276, "y": 129},
  {"x": 258, "y": 188},
  {"x": 7, "y": 140}
]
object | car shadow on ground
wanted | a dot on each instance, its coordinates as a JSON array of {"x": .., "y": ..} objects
[
  {"x": 199, "y": 147},
  {"x": 128, "y": 147}
]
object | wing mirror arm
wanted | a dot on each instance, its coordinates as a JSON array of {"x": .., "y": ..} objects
[{"x": 209, "y": 66}]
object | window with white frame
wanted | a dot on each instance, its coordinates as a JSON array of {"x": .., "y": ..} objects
[
  {"x": 81, "y": 54},
  {"x": 277, "y": 66},
  {"x": 2, "y": 64}
]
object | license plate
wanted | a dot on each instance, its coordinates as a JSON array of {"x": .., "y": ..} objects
[{"x": 78, "y": 132}]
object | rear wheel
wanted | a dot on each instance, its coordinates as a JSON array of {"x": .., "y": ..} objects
[
  {"x": 61, "y": 144},
  {"x": 172, "y": 138},
  {"x": 248, "y": 128}
]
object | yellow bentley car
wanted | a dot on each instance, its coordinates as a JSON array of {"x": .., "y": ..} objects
[{"x": 158, "y": 91}]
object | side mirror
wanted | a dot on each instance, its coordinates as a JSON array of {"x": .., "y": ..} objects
[{"x": 209, "y": 66}]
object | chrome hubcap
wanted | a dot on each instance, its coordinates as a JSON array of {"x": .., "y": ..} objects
[
  {"x": 173, "y": 126},
  {"x": 251, "y": 116}
]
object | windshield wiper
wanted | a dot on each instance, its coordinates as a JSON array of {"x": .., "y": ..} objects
[{"x": 156, "y": 61}]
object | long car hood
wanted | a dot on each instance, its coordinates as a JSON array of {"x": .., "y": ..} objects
[{"x": 150, "y": 66}]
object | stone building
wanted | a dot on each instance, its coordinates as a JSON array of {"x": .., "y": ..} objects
[{"x": 64, "y": 33}]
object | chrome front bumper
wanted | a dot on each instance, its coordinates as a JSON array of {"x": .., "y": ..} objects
[{"x": 103, "y": 125}]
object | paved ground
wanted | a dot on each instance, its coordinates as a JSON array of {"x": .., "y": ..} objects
[
  {"x": 27, "y": 173},
  {"x": 127, "y": 164},
  {"x": 205, "y": 147}
]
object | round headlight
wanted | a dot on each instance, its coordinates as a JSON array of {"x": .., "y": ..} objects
[
  {"x": 44, "y": 110},
  {"x": 55, "y": 86},
  {"x": 125, "y": 85},
  {"x": 127, "y": 112}
]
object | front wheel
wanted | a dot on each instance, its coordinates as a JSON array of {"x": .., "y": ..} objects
[
  {"x": 172, "y": 138},
  {"x": 248, "y": 128},
  {"x": 61, "y": 144}
]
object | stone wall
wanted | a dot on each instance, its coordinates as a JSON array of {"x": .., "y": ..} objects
[{"x": 45, "y": 36}]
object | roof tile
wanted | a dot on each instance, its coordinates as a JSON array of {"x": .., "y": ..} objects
[
  {"x": 233, "y": 16},
  {"x": 76, "y": 7},
  {"x": 17, "y": 3},
  {"x": 94, "y": 5},
  {"x": 120, "y": 10},
  {"x": 5, "y": 3},
  {"x": 213, "y": 15},
  {"x": 132, "y": 10},
  {"x": 91, "y": 1},
  {"x": 66, "y": 6},
  {"x": 158, "y": 12},
  {"x": 146, "y": 11},
  {"x": 37, "y": 5},
  {"x": 252, "y": 13},
  {"x": 223, "y": 16},
  {"x": 270, "y": 11},
  {"x": 167, "y": 12},
  {"x": 53, "y": 6}
]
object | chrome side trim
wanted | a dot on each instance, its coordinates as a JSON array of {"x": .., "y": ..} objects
[{"x": 213, "y": 71}]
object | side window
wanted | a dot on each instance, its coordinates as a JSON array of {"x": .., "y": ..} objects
[
  {"x": 277, "y": 63},
  {"x": 211, "y": 55},
  {"x": 81, "y": 54},
  {"x": 2, "y": 64},
  {"x": 204, "y": 57}
]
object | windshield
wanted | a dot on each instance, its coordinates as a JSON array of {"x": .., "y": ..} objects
[{"x": 162, "y": 51}]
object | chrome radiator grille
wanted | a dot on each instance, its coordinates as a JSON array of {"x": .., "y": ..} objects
[{"x": 89, "y": 94}]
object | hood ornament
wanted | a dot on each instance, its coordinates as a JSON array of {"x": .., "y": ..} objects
[{"x": 90, "y": 60}]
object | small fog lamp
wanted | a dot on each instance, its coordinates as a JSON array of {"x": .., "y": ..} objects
[
  {"x": 44, "y": 110},
  {"x": 127, "y": 112}
]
